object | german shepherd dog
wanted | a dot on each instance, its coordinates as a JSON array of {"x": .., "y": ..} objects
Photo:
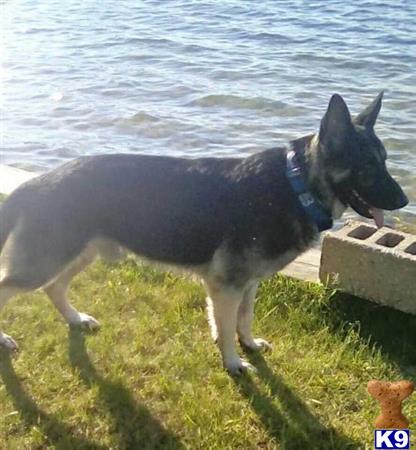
[{"x": 232, "y": 221}]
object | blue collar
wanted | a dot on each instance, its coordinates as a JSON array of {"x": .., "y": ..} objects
[{"x": 311, "y": 205}]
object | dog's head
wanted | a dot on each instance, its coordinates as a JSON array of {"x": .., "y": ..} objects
[{"x": 354, "y": 161}]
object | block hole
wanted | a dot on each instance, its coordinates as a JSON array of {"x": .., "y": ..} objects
[
  {"x": 390, "y": 240},
  {"x": 411, "y": 249},
  {"x": 362, "y": 232}
]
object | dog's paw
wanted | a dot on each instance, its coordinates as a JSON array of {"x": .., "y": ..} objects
[
  {"x": 86, "y": 321},
  {"x": 238, "y": 367},
  {"x": 8, "y": 342},
  {"x": 256, "y": 344}
]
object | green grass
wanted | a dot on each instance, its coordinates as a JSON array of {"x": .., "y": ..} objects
[{"x": 151, "y": 377}]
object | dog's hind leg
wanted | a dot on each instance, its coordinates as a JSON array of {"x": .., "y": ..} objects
[
  {"x": 6, "y": 293},
  {"x": 225, "y": 301},
  {"x": 245, "y": 318},
  {"x": 31, "y": 259},
  {"x": 19, "y": 273},
  {"x": 57, "y": 290}
]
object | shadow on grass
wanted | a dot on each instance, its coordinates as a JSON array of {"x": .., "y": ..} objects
[
  {"x": 392, "y": 332},
  {"x": 133, "y": 423},
  {"x": 291, "y": 425},
  {"x": 56, "y": 433}
]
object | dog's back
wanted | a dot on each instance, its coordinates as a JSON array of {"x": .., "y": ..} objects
[{"x": 172, "y": 210}]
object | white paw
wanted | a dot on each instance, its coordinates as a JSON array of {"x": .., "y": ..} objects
[
  {"x": 239, "y": 366},
  {"x": 8, "y": 342},
  {"x": 86, "y": 321},
  {"x": 256, "y": 344}
]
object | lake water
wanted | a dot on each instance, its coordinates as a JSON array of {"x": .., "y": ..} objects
[{"x": 200, "y": 77}]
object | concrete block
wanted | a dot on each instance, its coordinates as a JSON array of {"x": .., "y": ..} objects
[{"x": 379, "y": 265}]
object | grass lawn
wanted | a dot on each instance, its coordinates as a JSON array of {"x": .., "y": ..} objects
[{"x": 151, "y": 377}]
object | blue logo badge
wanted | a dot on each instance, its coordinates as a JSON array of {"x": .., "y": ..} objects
[{"x": 391, "y": 439}]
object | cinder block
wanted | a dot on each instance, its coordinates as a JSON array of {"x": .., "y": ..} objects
[{"x": 379, "y": 265}]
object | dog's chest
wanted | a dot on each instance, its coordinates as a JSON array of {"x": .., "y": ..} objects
[
  {"x": 260, "y": 267},
  {"x": 239, "y": 269}
]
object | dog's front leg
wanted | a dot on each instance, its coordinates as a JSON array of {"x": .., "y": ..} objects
[
  {"x": 245, "y": 318},
  {"x": 225, "y": 303}
]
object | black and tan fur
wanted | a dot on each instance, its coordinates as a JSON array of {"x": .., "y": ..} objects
[{"x": 232, "y": 221}]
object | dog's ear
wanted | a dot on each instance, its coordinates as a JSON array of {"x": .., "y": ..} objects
[
  {"x": 368, "y": 117},
  {"x": 336, "y": 123}
]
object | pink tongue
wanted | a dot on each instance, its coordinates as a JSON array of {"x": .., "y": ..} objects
[{"x": 378, "y": 216}]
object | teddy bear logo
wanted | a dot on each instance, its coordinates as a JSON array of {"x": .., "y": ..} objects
[{"x": 390, "y": 396}]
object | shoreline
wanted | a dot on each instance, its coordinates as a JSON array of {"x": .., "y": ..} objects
[{"x": 11, "y": 178}]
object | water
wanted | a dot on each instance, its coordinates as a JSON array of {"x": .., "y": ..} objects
[{"x": 200, "y": 77}]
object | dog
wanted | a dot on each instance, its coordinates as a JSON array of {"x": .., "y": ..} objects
[{"x": 231, "y": 221}]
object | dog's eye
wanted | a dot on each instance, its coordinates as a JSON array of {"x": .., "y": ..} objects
[{"x": 366, "y": 174}]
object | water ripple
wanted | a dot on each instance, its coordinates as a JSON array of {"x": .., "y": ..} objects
[{"x": 200, "y": 78}]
